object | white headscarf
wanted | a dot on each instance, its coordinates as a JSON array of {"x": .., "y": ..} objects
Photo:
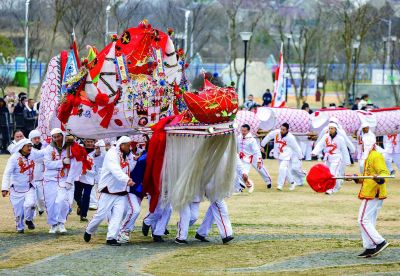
[
  {"x": 21, "y": 143},
  {"x": 34, "y": 133}
]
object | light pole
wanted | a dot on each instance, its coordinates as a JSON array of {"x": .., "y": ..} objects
[
  {"x": 393, "y": 40},
  {"x": 245, "y": 37},
  {"x": 383, "y": 63},
  {"x": 356, "y": 45},
  {"x": 187, "y": 14},
  {"x": 27, "y": 43},
  {"x": 108, "y": 9},
  {"x": 389, "y": 23},
  {"x": 288, "y": 36}
]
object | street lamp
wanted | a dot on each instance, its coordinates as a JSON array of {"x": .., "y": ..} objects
[
  {"x": 288, "y": 36},
  {"x": 187, "y": 14},
  {"x": 27, "y": 43},
  {"x": 245, "y": 37},
  {"x": 108, "y": 9},
  {"x": 384, "y": 39},
  {"x": 393, "y": 40},
  {"x": 356, "y": 45}
]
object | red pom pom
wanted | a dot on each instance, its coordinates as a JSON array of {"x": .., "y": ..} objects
[
  {"x": 186, "y": 65},
  {"x": 101, "y": 99}
]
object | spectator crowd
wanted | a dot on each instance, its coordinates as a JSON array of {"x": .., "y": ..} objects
[{"x": 18, "y": 114}]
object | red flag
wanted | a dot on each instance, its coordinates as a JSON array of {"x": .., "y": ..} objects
[
  {"x": 279, "y": 93},
  {"x": 75, "y": 48}
]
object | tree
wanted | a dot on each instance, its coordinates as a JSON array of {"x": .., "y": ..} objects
[
  {"x": 7, "y": 48},
  {"x": 255, "y": 10},
  {"x": 6, "y": 79},
  {"x": 303, "y": 33},
  {"x": 354, "y": 20}
]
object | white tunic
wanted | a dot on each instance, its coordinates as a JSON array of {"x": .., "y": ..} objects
[
  {"x": 391, "y": 143},
  {"x": 92, "y": 176},
  {"x": 19, "y": 172},
  {"x": 285, "y": 148},
  {"x": 55, "y": 170},
  {"x": 115, "y": 171},
  {"x": 248, "y": 149},
  {"x": 335, "y": 149}
]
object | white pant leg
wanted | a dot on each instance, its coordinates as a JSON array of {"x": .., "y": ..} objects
[
  {"x": 39, "y": 195},
  {"x": 133, "y": 206},
  {"x": 62, "y": 204},
  {"x": 30, "y": 204},
  {"x": 396, "y": 160},
  {"x": 117, "y": 214},
  {"x": 361, "y": 165},
  {"x": 221, "y": 217},
  {"x": 367, "y": 218},
  {"x": 194, "y": 212},
  {"x": 388, "y": 161},
  {"x": 50, "y": 194},
  {"x": 183, "y": 223},
  {"x": 307, "y": 155},
  {"x": 262, "y": 171},
  {"x": 162, "y": 222},
  {"x": 336, "y": 169},
  {"x": 283, "y": 172},
  {"x": 71, "y": 196},
  {"x": 93, "y": 197},
  {"x": 207, "y": 223},
  {"x": 106, "y": 202},
  {"x": 152, "y": 218},
  {"x": 297, "y": 173},
  {"x": 17, "y": 201}
]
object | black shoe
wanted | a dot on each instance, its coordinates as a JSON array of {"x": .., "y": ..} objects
[
  {"x": 145, "y": 229},
  {"x": 367, "y": 253},
  {"x": 84, "y": 219},
  {"x": 20, "y": 231},
  {"x": 113, "y": 242},
  {"x": 158, "y": 238},
  {"x": 380, "y": 247},
  {"x": 166, "y": 232},
  {"x": 41, "y": 213},
  {"x": 87, "y": 237},
  {"x": 78, "y": 211},
  {"x": 30, "y": 224},
  {"x": 201, "y": 238},
  {"x": 269, "y": 186},
  {"x": 178, "y": 241},
  {"x": 227, "y": 239}
]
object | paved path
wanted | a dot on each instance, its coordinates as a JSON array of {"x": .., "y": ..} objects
[{"x": 130, "y": 259}]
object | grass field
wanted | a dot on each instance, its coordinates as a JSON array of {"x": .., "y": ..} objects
[{"x": 289, "y": 232}]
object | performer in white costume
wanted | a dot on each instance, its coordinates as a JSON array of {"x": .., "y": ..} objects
[
  {"x": 38, "y": 145},
  {"x": 288, "y": 152},
  {"x": 364, "y": 138},
  {"x": 392, "y": 151},
  {"x": 18, "y": 182},
  {"x": 113, "y": 188},
  {"x": 249, "y": 154},
  {"x": 335, "y": 152},
  {"x": 61, "y": 169}
]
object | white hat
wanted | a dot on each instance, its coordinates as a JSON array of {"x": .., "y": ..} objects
[
  {"x": 34, "y": 133},
  {"x": 56, "y": 131},
  {"x": 21, "y": 143},
  {"x": 333, "y": 125},
  {"x": 364, "y": 124},
  {"x": 123, "y": 140},
  {"x": 319, "y": 119}
]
